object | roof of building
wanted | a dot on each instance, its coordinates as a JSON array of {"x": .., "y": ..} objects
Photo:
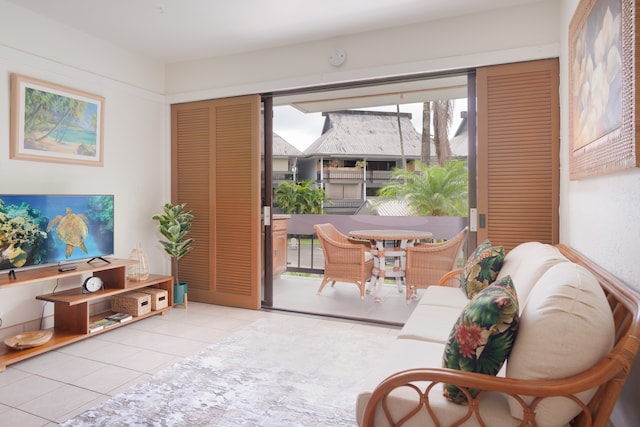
[
  {"x": 459, "y": 141},
  {"x": 367, "y": 135},
  {"x": 281, "y": 148},
  {"x": 380, "y": 207}
]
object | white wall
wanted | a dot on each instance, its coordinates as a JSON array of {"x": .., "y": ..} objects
[
  {"x": 43, "y": 38},
  {"x": 599, "y": 217},
  {"x": 507, "y": 35},
  {"x": 280, "y": 165},
  {"x": 136, "y": 145}
]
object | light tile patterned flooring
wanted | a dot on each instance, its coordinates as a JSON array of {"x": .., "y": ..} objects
[{"x": 58, "y": 385}]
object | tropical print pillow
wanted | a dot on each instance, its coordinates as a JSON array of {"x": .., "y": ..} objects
[
  {"x": 483, "y": 335},
  {"x": 482, "y": 268}
]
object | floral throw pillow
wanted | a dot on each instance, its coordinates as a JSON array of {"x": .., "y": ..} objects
[
  {"x": 482, "y": 268},
  {"x": 483, "y": 335}
]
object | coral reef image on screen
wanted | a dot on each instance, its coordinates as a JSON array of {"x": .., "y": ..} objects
[{"x": 49, "y": 229}]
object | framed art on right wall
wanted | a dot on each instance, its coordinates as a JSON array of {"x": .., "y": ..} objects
[{"x": 602, "y": 85}]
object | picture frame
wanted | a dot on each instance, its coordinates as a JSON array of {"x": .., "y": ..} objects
[
  {"x": 55, "y": 123},
  {"x": 603, "y": 137}
]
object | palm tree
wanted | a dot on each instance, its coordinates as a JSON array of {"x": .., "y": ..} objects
[
  {"x": 404, "y": 160},
  {"x": 425, "y": 147},
  {"x": 431, "y": 190},
  {"x": 442, "y": 118},
  {"x": 442, "y": 110}
]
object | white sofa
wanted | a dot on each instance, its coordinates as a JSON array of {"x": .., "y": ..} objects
[{"x": 568, "y": 344}]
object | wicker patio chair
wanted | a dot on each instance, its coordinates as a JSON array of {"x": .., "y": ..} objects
[
  {"x": 345, "y": 260},
  {"x": 428, "y": 262}
]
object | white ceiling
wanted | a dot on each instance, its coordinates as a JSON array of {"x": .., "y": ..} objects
[
  {"x": 416, "y": 91},
  {"x": 171, "y": 31}
]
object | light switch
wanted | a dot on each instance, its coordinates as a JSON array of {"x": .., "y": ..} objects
[{"x": 473, "y": 219}]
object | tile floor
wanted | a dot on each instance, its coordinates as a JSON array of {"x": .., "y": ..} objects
[
  {"x": 56, "y": 386},
  {"x": 301, "y": 294}
]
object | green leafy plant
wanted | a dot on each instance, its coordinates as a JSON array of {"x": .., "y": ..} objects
[
  {"x": 300, "y": 197},
  {"x": 174, "y": 225},
  {"x": 431, "y": 190}
]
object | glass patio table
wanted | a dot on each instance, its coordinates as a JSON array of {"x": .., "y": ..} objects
[{"x": 389, "y": 261}]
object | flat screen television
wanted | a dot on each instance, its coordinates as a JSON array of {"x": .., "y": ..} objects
[{"x": 37, "y": 230}]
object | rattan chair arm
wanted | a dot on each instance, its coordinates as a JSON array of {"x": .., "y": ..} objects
[
  {"x": 453, "y": 274},
  {"x": 359, "y": 241},
  {"x": 432, "y": 247},
  {"x": 348, "y": 245},
  {"x": 344, "y": 253}
]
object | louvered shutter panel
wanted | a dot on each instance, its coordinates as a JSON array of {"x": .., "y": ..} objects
[
  {"x": 190, "y": 178},
  {"x": 518, "y": 153},
  {"x": 237, "y": 202},
  {"x": 216, "y": 171}
]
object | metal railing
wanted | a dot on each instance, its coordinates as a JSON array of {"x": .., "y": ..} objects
[
  {"x": 279, "y": 176},
  {"x": 351, "y": 175},
  {"x": 343, "y": 203},
  {"x": 304, "y": 254}
]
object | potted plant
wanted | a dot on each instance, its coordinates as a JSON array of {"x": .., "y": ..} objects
[{"x": 174, "y": 225}]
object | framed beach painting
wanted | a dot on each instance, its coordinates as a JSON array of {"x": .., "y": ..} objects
[
  {"x": 602, "y": 85},
  {"x": 54, "y": 123}
]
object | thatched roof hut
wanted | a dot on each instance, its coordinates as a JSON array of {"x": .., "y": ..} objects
[
  {"x": 459, "y": 141},
  {"x": 281, "y": 148},
  {"x": 366, "y": 135}
]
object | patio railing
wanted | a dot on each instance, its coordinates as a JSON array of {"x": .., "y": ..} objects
[{"x": 353, "y": 175}]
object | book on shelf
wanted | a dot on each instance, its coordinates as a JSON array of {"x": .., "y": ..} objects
[
  {"x": 95, "y": 327},
  {"x": 120, "y": 317},
  {"x": 102, "y": 324}
]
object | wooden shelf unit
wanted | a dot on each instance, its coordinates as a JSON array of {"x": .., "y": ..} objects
[{"x": 72, "y": 306}]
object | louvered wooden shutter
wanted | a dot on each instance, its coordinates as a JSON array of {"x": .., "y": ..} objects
[
  {"x": 216, "y": 171},
  {"x": 518, "y": 153},
  {"x": 190, "y": 184}
]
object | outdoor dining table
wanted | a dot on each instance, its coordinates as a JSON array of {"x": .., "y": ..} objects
[{"x": 389, "y": 261}]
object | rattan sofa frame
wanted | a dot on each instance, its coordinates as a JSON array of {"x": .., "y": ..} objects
[{"x": 609, "y": 375}]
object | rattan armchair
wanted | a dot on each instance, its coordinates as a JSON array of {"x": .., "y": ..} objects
[
  {"x": 344, "y": 259},
  {"x": 428, "y": 262}
]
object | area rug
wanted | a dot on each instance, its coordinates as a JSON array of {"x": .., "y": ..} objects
[{"x": 270, "y": 373}]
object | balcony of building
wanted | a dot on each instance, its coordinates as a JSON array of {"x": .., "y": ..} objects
[{"x": 295, "y": 288}]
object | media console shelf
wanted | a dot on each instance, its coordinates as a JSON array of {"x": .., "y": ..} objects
[{"x": 72, "y": 306}]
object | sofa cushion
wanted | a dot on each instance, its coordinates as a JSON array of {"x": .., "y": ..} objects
[
  {"x": 446, "y": 296},
  {"x": 481, "y": 268},
  {"x": 566, "y": 327},
  {"x": 526, "y": 263},
  {"x": 483, "y": 336},
  {"x": 410, "y": 354},
  {"x": 430, "y": 323}
]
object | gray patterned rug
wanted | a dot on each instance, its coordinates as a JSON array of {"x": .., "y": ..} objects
[{"x": 270, "y": 373}]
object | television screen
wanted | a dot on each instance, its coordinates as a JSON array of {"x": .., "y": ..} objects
[{"x": 48, "y": 229}]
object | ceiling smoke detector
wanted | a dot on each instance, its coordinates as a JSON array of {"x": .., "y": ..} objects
[{"x": 337, "y": 57}]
